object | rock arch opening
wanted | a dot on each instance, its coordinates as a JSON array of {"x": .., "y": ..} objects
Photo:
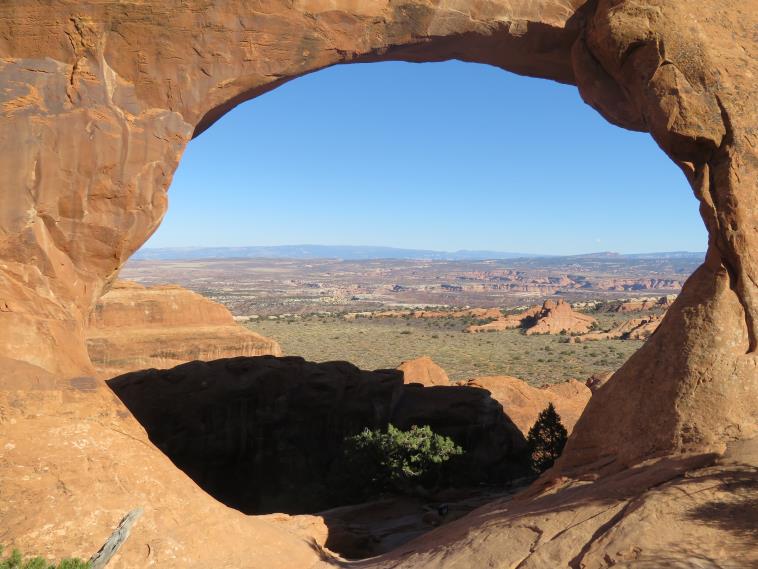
[
  {"x": 104, "y": 116},
  {"x": 264, "y": 435}
]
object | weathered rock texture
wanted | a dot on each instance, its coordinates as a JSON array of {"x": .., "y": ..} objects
[
  {"x": 553, "y": 317},
  {"x": 133, "y": 328},
  {"x": 99, "y": 100},
  {"x": 557, "y": 317},
  {"x": 633, "y": 329},
  {"x": 262, "y": 434},
  {"x": 423, "y": 370},
  {"x": 523, "y": 403}
]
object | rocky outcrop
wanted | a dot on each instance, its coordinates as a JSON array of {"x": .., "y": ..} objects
[
  {"x": 633, "y": 329},
  {"x": 507, "y": 322},
  {"x": 597, "y": 380},
  {"x": 262, "y": 434},
  {"x": 134, "y": 327},
  {"x": 646, "y": 303},
  {"x": 424, "y": 371},
  {"x": 523, "y": 403},
  {"x": 553, "y": 317},
  {"x": 100, "y": 99},
  {"x": 557, "y": 317}
]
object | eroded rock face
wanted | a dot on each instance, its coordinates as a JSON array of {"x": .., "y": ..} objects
[
  {"x": 553, "y": 317},
  {"x": 558, "y": 317},
  {"x": 133, "y": 327},
  {"x": 263, "y": 434},
  {"x": 523, "y": 403},
  {"x": 99, "y": 100},
  {"x": 632, "y": 329}
]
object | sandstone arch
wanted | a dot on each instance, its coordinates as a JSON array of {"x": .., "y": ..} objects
[{"x": 100, "y": 97}]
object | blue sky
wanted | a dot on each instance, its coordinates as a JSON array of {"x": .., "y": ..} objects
[{"x": 440, "y": 156}]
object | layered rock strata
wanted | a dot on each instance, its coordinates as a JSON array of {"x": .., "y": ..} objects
[{"x": 134, "y": 327}]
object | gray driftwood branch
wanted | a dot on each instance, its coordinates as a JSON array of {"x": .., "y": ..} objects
[{"x": 116, "y": 540}]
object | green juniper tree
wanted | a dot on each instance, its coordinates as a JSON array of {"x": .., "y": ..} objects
[
  {"x": 394, "y": 460},
  {"x": 546, "y": 439}
]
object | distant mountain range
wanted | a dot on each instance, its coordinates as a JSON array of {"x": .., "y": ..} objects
[{"x": 359, "y": 252}]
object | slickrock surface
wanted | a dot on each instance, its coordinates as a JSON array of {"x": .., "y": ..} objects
[
  {"x": 100, "y": 98},
  {"x": 133, "y": 328},
  {"x": 553, "y": 317},
  {"x": 523, "y": 403},
  {"x": 634, "y": 329},
  {"x": 424, "y": 371}
]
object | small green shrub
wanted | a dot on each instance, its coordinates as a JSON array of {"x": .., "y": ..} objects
[
  {"x": 376, "y": 461},
  {"x": 546, "y": 439},
  {"x": 16, "y": 561}
]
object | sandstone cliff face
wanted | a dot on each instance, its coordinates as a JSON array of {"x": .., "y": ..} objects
[
  {"x": 99, "y": 100},
  {"x": 133, "y": 327},
  {"x": 523, "y": 403},
  {"x": 261, "y": 434}
]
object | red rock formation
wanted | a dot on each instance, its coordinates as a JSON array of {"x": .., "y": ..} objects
[
  {"x": 596, "y": 381},
  {"x": 641, "y": 304},
  {"x": 424, "y": 371},
  {"x": 553, "y": 317},
  {"x": 100, "y": 99},
  {"x": 523, "y": 403},
  {"x": 133, "y": 327},
  {"x": 558, "y": 317},
  {"x": 633, "y": 329},
  {"x": 507, "y": 322}
]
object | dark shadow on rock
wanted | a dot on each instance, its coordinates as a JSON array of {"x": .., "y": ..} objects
[
  {"x": 261, "y": 434},
  {"x": 737, "y": 509}
]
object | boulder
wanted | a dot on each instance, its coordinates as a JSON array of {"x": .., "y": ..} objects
[{"x": 424, "y": 371}]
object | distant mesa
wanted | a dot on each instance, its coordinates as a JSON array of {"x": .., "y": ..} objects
[
  {"x": 134, "y": 327},
  {"x": 361, "y": 252},
  {"x": 553, "y": 317}
]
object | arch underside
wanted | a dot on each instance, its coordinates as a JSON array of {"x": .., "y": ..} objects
[{"x": 101, "y": 99}]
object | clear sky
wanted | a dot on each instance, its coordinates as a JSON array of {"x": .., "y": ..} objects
[{"x": 440, "y": 156}]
